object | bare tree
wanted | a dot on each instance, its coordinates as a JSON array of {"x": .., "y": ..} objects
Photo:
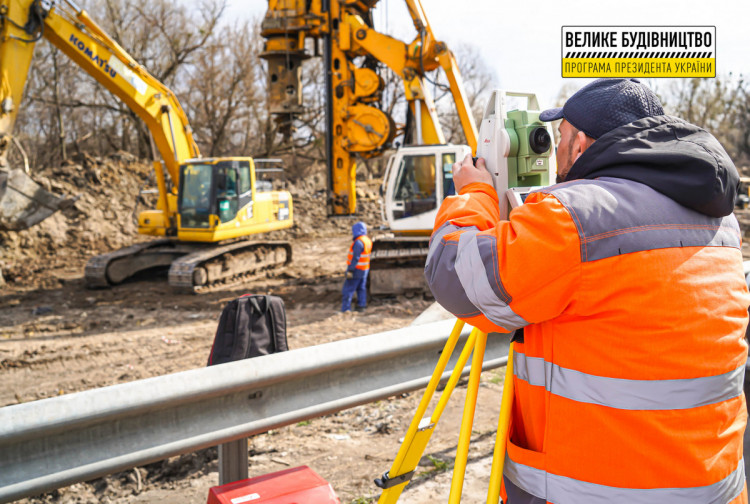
[
  {"x": 222, "y": 90},
  {"x": 154, "y": 33},
  {"x": 216, "y": 72},
  {"x": 720, "y": 105},
  {"x": 479, "y": 80}
]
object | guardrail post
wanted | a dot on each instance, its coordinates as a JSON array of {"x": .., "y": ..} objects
[{"x": 233, "y": 461}]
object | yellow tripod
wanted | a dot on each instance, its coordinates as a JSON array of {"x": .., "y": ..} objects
[{"x": 421, "y": 429}]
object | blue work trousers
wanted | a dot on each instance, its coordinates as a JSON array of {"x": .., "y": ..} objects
[{"x": 358, "y": 284}]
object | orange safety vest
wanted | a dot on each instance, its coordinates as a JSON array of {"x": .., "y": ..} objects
[
  {"x": 364, "y": 258},
  {"x": 628, "y": 381}
]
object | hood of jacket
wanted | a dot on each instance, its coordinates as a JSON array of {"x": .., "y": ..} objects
[
  {"x": 670, "y": 155},
  {"x": 359, "y": 229}
]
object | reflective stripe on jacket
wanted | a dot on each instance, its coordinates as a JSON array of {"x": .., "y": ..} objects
[
  {"x": 629, "y": 378},
  {"x": 363, "y": 261}
]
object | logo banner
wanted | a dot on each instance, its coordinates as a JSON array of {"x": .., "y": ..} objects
[{"x": 639, "y": 51}]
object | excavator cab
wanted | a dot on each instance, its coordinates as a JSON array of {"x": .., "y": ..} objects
[
  {"x": 220, "y": 199},
  {"x": 212, "y": 189},
  {"x": 416, "y": 181}
]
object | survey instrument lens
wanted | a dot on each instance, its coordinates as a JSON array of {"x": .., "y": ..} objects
[{"x": 539, "y": 140}]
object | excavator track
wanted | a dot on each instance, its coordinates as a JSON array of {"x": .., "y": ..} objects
[
  {"x": 109, "y": 269},
  {"x": 397, "y": 266},
  {"x": 220, "y": 267},
  {"x": 193, "y": 267}
]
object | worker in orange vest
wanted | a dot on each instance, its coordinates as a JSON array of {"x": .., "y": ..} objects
[
  {"x": 625, "y": 286},
  {"x": 357, "y": 269}
]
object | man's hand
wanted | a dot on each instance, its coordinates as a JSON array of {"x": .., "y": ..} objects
[
  {"x": 349, "y": 275},
  {"x": 465, "y": 173}
]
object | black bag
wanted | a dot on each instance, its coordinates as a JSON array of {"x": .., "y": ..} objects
[{"x": 249, "y": 326}]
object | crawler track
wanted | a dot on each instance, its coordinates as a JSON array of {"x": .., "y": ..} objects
[
  {"x": 397, "y": 266},
  {"x": 193, "y": 267},
  {"x": 99, "y": 271},
  {"x": 228, "y": 265}
]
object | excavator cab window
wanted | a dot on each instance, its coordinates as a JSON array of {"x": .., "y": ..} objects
[
  {"x": 195, "y": 195},
  {"x": 227, "y": 197},
  {"x": 449, "y": 189},
  {"x": 246, "y": 192},
  {"x": 416, "y": 185}
]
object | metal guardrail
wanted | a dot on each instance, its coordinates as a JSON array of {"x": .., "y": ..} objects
[{"x": 55, "y": 442}]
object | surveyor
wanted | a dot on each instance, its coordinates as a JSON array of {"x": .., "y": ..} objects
[
  {"x": 625, "y": 285},
  {"x": 357, "y": 269}
]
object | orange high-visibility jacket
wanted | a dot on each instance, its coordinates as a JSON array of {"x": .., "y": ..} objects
[
  {"x": 363, "y": 263},
  {"x": 629, "y": 377},
  {"x": 628, "y": 284}
]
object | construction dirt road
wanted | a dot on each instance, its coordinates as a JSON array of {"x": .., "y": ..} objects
[{"x": 57, "y": 337}]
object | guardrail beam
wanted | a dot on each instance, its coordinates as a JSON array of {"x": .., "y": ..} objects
[{"x": 55, "y": 442}]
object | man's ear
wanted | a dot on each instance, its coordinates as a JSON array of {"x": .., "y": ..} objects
[{"x": 584, "y": 141}]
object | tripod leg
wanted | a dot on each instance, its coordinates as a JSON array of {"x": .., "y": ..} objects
[
  {"x": 445, "y": 356},
  {"x": 394, "y": 481},
  {"x": 464, "y": 437},
  {"x": 503, "y": 425}
]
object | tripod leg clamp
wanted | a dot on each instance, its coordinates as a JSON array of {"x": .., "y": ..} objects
[{"x": 387, "y": 482}]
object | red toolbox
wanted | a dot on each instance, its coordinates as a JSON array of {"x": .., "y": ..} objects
[{"x": 298, "y": 485}]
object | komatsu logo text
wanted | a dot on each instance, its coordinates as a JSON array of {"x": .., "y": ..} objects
[{"x": 103, "y": 64}]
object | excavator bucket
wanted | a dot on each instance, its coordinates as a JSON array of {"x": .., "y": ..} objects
[{"x": 24, "y": 203}]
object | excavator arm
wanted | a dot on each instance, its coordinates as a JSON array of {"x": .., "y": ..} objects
[
  {"x": 70, "y": 29},
  {"x": 83, "y": 41},
  {"x": 393, "y": 53},
  {"x": 355, "y": 126}
]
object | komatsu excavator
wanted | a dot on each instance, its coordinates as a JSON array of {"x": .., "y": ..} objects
[
  {"x": 206, "y": 207},
  {"x": 418, "y": 176}
]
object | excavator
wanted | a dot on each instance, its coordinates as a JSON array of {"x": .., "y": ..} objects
[
  {"x": 207, "y": 207},
  {"x": 418, "y": 176}
]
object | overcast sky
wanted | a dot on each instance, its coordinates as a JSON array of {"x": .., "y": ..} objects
[{"x": 520, "y": 40}]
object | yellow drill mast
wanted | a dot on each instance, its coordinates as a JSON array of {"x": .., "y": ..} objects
[{"x": 354, "y": 125}]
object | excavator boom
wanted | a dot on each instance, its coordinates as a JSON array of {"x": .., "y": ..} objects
[{"x": 73, "y": 32}]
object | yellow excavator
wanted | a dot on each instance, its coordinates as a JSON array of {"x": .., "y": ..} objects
[
  {"x": 418, "y": 176},
  {"x": 206, "y": 207}
]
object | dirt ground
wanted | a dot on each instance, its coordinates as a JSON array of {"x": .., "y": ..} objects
[{"x": 57, "y": 337}]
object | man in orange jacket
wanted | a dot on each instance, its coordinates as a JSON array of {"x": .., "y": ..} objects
[
  {"x": 357, "y": 269},
  {"x": 624, "y": 283}
]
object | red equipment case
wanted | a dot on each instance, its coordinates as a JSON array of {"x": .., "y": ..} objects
[{"x": 298, "y": 485}]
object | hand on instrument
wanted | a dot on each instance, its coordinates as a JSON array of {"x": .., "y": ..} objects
[{"x": 465, "y": 173}]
